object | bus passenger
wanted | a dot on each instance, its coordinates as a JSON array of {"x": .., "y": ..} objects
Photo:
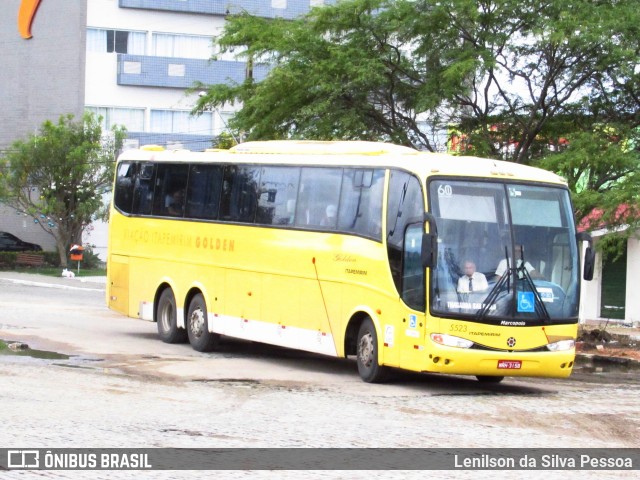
[
  {"x": 175, "y": 202},
  {"x": 329, "y": 220},
  {"x": 502, "y": 266},
  {"x": 472, "y": 281}
]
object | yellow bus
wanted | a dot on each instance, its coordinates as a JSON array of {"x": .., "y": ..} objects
[{"x": 351, "y": 249}]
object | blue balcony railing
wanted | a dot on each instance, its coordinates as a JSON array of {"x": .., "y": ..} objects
[
  {"x": 148, "y": 71},
  {"x": 259, "y": 8}
]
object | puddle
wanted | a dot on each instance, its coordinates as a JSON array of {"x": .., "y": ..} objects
[
  {"x": 606, "y": 372},
  {"x": 606, "y": 365},
  {"x": 31, "y": 353},
  {"x": 596, "y": 368}
]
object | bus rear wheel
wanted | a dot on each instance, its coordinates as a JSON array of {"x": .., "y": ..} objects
[
  {"x": 367, "y": 354},
  {"x": 489, "y": 379},
  {"x": 200, "y": 338},
  {"x": 167, "y": 319}
]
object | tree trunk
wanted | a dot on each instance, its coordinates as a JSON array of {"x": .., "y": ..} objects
[{"x": 62, "y": 252}]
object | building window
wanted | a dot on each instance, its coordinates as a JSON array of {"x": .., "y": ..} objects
[
  {"x": 171, "y": 121},
  {"x": 182, "y": 46},
  {"x": 279, "y": 4},
  {"x": 221, "y": 123},
  {"x": 118, "y": 41},
  {"x": 176, "y": 70},
  {"x": 131, "y": 118},
  {"x": 132, "y": 68}
]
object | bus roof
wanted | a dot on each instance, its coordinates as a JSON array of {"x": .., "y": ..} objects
[
  {"x": 352, "y": 153},
  {"x": 311, "y": 147}
]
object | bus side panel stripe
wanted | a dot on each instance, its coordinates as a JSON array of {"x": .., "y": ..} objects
[{"x": 274, "y": 334}]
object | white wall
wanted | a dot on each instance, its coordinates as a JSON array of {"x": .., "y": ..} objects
[
  {"x": 97, "y": 235},
  {"x": 590, "y": 298},
  {"x": 101, "y": 68},
  {"x": 632, "y": 305}
]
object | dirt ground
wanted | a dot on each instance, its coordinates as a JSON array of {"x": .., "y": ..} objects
[{"x": 616, "y": 342}]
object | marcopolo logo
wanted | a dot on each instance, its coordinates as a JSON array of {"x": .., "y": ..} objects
[{"x": 26, "y": 14}]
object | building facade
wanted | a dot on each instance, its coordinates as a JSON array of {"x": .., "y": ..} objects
[
  {"x": 611, "y": 295},
  {"x": 130, "y": 61}
]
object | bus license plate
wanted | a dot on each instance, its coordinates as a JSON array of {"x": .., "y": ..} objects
[{"x": 509, "y": 364}]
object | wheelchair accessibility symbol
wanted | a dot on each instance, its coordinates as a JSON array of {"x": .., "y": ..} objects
[{"x": 526, "y": 302}]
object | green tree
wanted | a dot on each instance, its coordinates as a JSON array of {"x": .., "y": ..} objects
[
  {"x": 501, "y": 71},
  {"x": 602, "y": 168},
  {"x": 340, "y": 73},
  {"x": 225, "y": 141},
  {"x": 512, "y": 71},
  {"x": 59, "y": 176}
]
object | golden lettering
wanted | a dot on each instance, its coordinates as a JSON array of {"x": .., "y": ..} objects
[{"x": 211, "y": 243}]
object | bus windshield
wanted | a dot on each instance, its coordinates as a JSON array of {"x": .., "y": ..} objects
[{"x": 507, "y": 253}]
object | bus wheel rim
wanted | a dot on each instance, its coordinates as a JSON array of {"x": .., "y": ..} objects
[
  {"x": 166, "y": 314},
  {"x": 366, "y": 350},
  {"x": 197, "y": 322}
]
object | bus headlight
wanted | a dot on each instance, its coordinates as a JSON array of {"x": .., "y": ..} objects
[
  {"x": 451, "y": 341},
  {"x": 562, "y": 345}
]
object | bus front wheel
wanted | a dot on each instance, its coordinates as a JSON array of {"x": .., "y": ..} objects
[
  {"x": 166, "y": 316},
  {"x": 200, "y": 338},
  {"x": 367, "y": 354}
]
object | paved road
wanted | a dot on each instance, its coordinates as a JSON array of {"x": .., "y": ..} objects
[{"x": 121, "y": 387}]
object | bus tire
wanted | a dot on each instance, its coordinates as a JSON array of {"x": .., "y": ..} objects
[
  {"x": 167, "y": 319},
  {"x": 489, "y": 379},
  {"x": 200, "y": 338},
  {"x": 367, "y": 354}
]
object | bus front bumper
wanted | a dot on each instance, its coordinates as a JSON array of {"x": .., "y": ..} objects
[{"x": 459, "y": 361}]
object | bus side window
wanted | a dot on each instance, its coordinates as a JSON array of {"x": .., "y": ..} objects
[
  {"x": 205, "y": 188},
  {"x": 404, "y": 206},
  {"x": 361, "y": 202},
  {"x": 143, "y": 189},
  {"x": 318, "y": 198},
  {"x": 240, "y": 194},
  {"x": 278, "y": 191},
  {"x": 170, "y": 189},
  {"x": 125, "y": 180}
]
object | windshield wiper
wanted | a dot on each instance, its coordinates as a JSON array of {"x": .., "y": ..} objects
[
  {"x": 495, "y": 291},
  {"x": 519, "y": 272}
]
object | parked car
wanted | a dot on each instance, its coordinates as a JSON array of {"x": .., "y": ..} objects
[{"x": 11, "y": 243}]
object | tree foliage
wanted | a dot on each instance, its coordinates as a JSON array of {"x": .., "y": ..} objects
[
  {"x": 385, "y": 69},
  {"x": 520, "y": 80},
  {"x": 59, "y": 176},
  {"x": 602, "y": 168}
]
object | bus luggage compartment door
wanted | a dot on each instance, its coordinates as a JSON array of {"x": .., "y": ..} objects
[{"x": 119, "y": 284}]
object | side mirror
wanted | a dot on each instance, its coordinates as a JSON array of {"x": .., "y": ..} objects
[
  {"x": 589, "y": 263},
  {"x": 429, "y": 252},
  {"x": 589, "y": 256}
]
